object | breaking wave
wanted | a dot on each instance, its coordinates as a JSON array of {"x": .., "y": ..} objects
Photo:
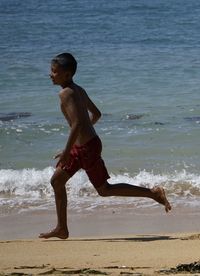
[{"x": 30, "y": 189}]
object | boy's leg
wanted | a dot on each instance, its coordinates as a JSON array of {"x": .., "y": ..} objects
[
  {"x": 123, "y": 189},
  {"x": 58, "y": 181}
]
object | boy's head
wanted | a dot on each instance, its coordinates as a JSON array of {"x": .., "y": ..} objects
[
  {"x": 63, "y": 68},
  {"x": 66, "y": 61}
]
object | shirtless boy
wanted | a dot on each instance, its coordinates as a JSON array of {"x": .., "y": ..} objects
[{"x": 83, "y": 148}]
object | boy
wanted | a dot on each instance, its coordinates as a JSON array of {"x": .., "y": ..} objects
[{"x": 83, "y": 148}]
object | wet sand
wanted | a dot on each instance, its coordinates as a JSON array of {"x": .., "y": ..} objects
[{"x": 102, "y": 222}]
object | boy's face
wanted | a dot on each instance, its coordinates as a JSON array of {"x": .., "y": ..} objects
[{"x": 58, "y": 75}]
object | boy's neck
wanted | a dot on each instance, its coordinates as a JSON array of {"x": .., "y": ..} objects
[{"x": 68, "y": 83}]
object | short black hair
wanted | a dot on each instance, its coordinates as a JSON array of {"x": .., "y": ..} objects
[{"x": 66, "y": 61}]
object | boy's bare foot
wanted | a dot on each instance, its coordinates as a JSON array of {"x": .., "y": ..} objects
[
  {"x": 160, "y": 197},
  {"x": 61, "y": 234}
]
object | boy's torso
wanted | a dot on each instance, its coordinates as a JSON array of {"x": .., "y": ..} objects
[{"x": 87, "y": 131}]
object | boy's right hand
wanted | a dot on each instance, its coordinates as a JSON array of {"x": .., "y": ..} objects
[{"x": 63, "y": 159}]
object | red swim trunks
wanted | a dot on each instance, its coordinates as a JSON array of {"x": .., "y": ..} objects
[{"x": 88, "y": 158}]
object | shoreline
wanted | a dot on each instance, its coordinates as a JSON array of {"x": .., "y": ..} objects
[{"x": 102, "y": 222}]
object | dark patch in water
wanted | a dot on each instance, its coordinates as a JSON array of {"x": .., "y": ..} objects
[
  {"x": 107, "y": 114},
  {"x": 134, "y": 117},
  {"x": 159, "y": 123},
  {"x": 192, "y": 119},
  {"x": 6, "y": 117}
]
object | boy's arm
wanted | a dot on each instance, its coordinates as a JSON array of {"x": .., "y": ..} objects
[
  {"x": 69, "y": 104},
  {"x": 95, "y": 113}
]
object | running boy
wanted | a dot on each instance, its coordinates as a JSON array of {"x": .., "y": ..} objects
[{"x": 83, "y": 147}]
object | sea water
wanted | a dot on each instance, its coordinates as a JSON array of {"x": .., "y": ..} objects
[{"x": 139, "y": 61}]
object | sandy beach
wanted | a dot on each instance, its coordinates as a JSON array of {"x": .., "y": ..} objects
[
  {"x": 150, "y": 243},
  {"x": 116, "y": 255}
]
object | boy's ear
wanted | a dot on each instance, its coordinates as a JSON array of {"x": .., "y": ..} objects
[{"x": 68, "y": 74}]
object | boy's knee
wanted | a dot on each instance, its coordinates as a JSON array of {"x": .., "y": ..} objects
[
  {"x": 59, "y": 179},
  {"x": 53, "y": 182},
  {"x": 57, "y": 186},
  {"x": 103, "y": 190}
]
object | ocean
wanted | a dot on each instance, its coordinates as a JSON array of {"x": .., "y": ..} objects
[{"x": 139, "y": 61}]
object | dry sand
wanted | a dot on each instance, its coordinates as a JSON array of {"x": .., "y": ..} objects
[{"x": 120, "y": 255}]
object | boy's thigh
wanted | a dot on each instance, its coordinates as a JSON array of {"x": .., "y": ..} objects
[{"x": 98, "y": 174}]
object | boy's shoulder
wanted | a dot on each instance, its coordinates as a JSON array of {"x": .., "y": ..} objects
[
  {"x": 71, "y": 91},
  {"x": 66, "y": 92}
]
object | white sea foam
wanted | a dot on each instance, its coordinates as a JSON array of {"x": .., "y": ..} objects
[{"x": 30, "y": 188}]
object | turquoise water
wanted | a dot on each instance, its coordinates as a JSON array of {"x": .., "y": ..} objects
[{"x": 140, "y": 63}]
